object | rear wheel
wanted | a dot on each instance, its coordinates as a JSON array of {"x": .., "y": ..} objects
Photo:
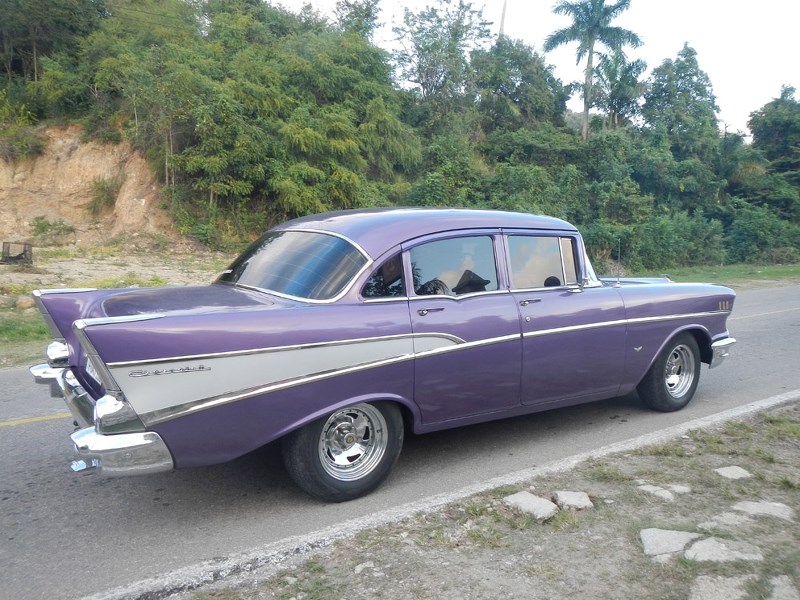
[
  {"x": 672, "y": 380},
  {"x": 347, "y": 454}
]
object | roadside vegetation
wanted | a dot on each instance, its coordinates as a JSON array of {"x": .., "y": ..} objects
[{"x": 251, "y": 114}]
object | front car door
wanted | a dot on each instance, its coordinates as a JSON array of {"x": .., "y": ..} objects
[
  {"x": 466, "y": 327},
  {"x": 573, "y": 335}
]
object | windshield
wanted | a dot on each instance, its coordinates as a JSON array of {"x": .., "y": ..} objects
[{"x": 302, "y": 264}]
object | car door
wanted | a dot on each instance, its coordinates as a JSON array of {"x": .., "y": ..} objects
[
  {"x": 572, "y": 336},
  {"x": 466, "y": 328}
]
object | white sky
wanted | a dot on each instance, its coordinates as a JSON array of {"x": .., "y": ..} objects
[{"x": 748, "y": 49}]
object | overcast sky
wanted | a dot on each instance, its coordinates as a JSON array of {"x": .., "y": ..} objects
[{"x": 748, "y": 49}]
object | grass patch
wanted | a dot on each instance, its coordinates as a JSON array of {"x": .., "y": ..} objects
[
  {"x": 607, "y": 473},
  {"x": 104, "y": 194},
  {"x": 130, "y": 280},
  {"x": 732, "y": 273},
  {"x": 16, "y": 326}
]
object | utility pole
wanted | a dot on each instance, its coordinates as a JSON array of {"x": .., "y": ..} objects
[{"x": 503, "y": 20}]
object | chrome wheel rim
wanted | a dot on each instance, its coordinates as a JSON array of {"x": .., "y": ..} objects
[
  {"x": 353, "y": 442},
  {"x": 679, "y": 372}
]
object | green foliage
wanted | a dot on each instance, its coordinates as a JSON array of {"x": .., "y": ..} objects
[
  {"x": 104, "y": 194},
  {"x": 251, "y": 115},
  {"x": 16, "y": 327},
  {"x": 680, "y": 105},
  {"x": 51, "y": 233},
  {"x": 18, "y": 137},
  {"x": 759, "y": 235}
]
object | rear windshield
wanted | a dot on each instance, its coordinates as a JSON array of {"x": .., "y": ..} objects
[{"x": 310, "y": 265}]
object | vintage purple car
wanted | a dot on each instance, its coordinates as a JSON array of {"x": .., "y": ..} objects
[{"x": 337, "y": 332}]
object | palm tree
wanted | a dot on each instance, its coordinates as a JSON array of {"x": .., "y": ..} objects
[
  {"x": 618, "y": 87},
  {"x": 591, "y": 24}
]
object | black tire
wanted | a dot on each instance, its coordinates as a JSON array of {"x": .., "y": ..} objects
[
  {"x": 347, "y": 454},
  {"x": 672, "y": 379}
]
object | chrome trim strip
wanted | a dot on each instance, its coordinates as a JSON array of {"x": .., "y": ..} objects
[
  {"x": 587, "y": 326},
  {"x": 193, "y": 357}
]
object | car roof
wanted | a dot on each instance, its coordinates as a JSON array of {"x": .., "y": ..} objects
[{"x": 377, "y": 230}]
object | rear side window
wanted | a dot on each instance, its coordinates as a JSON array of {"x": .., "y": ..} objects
[
  {"x": 454, "y": 266},
  {"x": 386, "y": 281},
  {"x": 541, "y": 261}
]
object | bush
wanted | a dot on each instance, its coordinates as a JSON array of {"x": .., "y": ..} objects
[
  {"x": 678, "y": 240},
  {"x": 20, "y": 142},
  {"x": 104, "y": 194},
  {"x": 50, "y": 233},
  {"x": 757, "y": 234}
]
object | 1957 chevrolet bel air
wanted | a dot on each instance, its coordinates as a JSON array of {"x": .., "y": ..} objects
[{"x": 336, "y": 333}]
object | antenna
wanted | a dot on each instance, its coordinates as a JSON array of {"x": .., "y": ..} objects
[{"x": 619, "y": 262}]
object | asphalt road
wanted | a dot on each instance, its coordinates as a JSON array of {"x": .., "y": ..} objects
[{"x": 66, "y": 535}]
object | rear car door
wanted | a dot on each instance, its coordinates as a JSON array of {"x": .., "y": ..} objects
[{"x": 573, "y": 336}]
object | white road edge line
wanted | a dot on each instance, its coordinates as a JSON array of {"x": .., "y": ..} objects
[{"x": 229, "y": 570}]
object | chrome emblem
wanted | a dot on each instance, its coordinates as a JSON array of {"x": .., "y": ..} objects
[{"x": 179, "y": 370}]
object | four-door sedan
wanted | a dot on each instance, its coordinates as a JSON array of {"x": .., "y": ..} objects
[{"x": 337, "y": 332}]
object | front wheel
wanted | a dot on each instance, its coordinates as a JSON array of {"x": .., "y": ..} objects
[
  {"x": 672, "y": 380},
  {"x": 346, "y": 455}
]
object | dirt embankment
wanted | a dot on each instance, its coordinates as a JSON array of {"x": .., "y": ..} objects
[{"x": 58, "y": 186}]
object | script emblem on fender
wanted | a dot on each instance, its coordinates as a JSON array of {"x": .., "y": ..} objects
[{"x": 177, "y": 371}]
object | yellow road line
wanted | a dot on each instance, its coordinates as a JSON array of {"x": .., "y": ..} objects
[{"x": 34, "y": 419}]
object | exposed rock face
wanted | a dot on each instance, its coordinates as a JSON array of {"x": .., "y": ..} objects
[{"x": 57, "y": 185}]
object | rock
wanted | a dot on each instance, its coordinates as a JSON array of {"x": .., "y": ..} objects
[
  {"x": 718, "y": 550},
  {"x": 362, "y": 566},
  {"x": 25, "y": 302},
  {"x": 664, "y": 542},
  {"x": 576, "y": 500},
  {"x": 726, "y": 521},
  {"x": 658, "y": 492},
  {"x": 708, "y": 587},
  {"x": 680, "y": 489},
  {"x": 765, "y": 509},
  {"x": 783, "y": 589},
  {"x": 541, "y": 508},
  {"x": 733, "y": 472}
]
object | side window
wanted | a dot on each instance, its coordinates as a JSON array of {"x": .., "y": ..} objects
[
  {"x": 454, "y": 266},
  {"x": 541, "y": 261},
  {"x": 386, "y": 281}
]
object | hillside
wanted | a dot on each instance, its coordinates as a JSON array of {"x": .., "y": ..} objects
[{"x": 58, "y": 186}]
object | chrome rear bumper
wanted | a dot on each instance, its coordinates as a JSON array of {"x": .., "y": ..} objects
[
  {"x": 115, "y": 455},
  {"x": 121, "y": 454}
]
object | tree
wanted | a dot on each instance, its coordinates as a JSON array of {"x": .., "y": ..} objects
[
  {"x": 358, "y": 16},
  {"x": 776, "y": 132},
  {"x": 619, "y": 88},
  {"x": 516, "y": 87},
  {"x": 31, "y": 29},
  {"x": 434, "y": 46},
  {"x": 591, "y": 25},
  {"x": 680, "y": 103}
]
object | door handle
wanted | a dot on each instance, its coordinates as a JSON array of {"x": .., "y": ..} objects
[
  {"x": 526, "y": 302},
  {"x": 424, "y": 311}
]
